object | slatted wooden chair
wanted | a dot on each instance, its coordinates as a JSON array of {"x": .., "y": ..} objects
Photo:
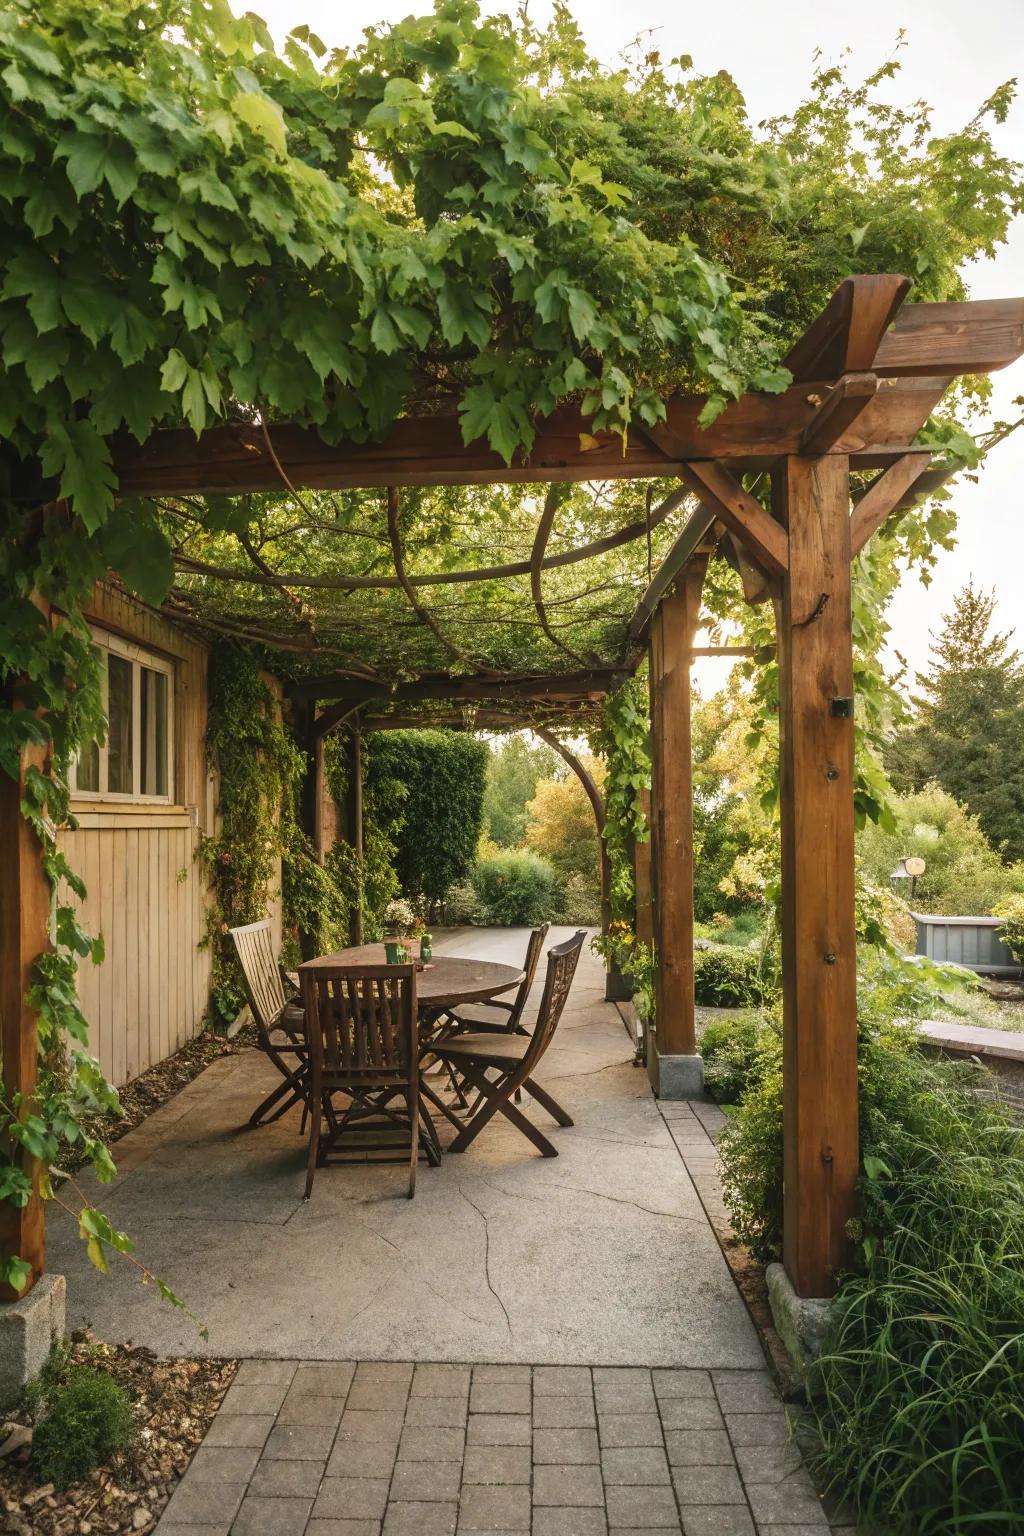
[
  {"x": 363, "y": 1033},
  {"x": 512, "y": 1059},
  {"x": 273, "y": 1015}
]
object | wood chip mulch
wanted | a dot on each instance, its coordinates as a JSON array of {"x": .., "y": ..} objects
[{"x": 175, "y": 1401}]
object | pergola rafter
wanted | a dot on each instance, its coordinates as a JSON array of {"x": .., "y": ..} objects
[{"x": 867, "y": 375}]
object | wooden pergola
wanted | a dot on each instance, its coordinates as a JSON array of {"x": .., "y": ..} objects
[{"x": 867, "y": 375}]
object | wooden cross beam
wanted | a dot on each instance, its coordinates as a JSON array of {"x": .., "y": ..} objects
[{"x": 352, "y": 691}]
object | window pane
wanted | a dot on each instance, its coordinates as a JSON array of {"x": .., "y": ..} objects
[
  {"x": 154, "y": 732},
  {"x": 119, "y": 726},
  {"x": 87, "y": 768}
]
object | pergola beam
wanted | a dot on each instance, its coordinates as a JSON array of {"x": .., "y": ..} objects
[
  {"x": 894, "y": 490},
  {"x": 765, "y": 539},
  {"x": 540, "y": 687}
]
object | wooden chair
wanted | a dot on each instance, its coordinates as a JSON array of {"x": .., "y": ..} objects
[
  {"x": 513, "y": 1059},
  {"x": 363, "y": 1034},
  {"x": 480, "y": 1017},
  {"x": 272, "y": 1012}
]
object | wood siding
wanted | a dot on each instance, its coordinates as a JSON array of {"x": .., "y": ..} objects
[{"x": 146, "y": 891}]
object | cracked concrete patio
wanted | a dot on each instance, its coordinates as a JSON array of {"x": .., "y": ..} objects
[{"x": 603, "y": 1255}]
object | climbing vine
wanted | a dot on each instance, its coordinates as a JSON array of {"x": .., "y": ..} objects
[{"x": 624, "y": 740}]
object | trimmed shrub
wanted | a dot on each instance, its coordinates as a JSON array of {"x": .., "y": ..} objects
[
  {"x": 515, "y": 890},
  {"x": 444, "y": 774},
  {"x": 733, "y": 1052},
  {"x": 88, "y": 1417},
  {"x": 1011, "y": 910},
  {"x": 727, "y": 978},
  {"x": 581, "y": 903}
]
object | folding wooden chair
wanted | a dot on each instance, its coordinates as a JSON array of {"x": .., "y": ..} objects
[
  {"x": 513, "y": 1059},
  {"x": 362, "y": 1028},
  {"x": 273, "y": 1013},
  {"x": 486, "y": 1017}
]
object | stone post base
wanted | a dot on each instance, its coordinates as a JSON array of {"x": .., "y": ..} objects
[
  {"x": 801, "y": 1321},
  {"x": 675, "y": 1077},
  {"x": 29, "y": 1328}
]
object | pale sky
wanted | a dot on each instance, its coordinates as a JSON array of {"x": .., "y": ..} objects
[{"x": 955, "y": 55}]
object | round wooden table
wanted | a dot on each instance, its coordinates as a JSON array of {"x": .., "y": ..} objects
[{"x": 447, "y": 981}]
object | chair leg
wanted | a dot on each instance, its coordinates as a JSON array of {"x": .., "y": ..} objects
[
  {"x": 414, "y": 1140},
  {"x": 545, "y": 1100},
  {"x": 256, "y": 1118},
  {"x": 435, "y": 1099},
  {"x": 528, "y": 1129},
  {"x": 315, "y": 1111},
  {"x": 487, "y": 1110}
]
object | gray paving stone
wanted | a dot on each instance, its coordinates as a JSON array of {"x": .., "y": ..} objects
[
  {"x": 258, "y": 1398},
  {"x": 498, "y": 1429},
  {"x": 679, "y": 1383},
  {"x": 767, "y": 1463},
  {"x": 699, "y": 1448},
  {"x": 520, "y": 1373},
  {"x": 280, "y": 1479},
  {"x": 261, "y": 1373},
  {"x": 635, "y": 1464},
  {"x": 164, "y": 1528},
  {"x": 204, "y": 1503},
  {"x": 271, "y": 1517},
  {"x": 441, "y": 1412},
  {"x": 745, "y": 1391},
  {"x": 385, "y": 1370},
  {"x": 352, "y": 1498},
  {"x": 426, "y": 1482},
  {"x": 239, "y": 1429},
  {"x": 568, "y": 1486},
  {"x": 430, "y": 1443},
  {"x": 793, "y": 1503},
  {"x": 299, "y": 1442},
  {"x": 223, "y": 1464},
  {"x": 561, "y": 1380},
  {"x": 623, "y": 1391},
  {"x": 494, "y": 1509},
  {"x": 707, "y": 1485},
  {"x": 630, "y": 1429},
  {"x": 566, "y": 1446},
  {"x": 490, "y": 1396},
  {"x": 382, "y": 1426},
  {"x": 640, "y": 1507},
  {"x": 305, "y": 1408},
  {"x": 717, "y": 1520},
  {"x": 376, "y": 1392},
  {"x": 327, "y": 1378},
  {"x": 362, "y": 1458},
  {"x": 575, "y": 1411},
  {"x": 441, "y": 1381},
  {"x": 569, "y": 1522},
  {"x": 496, "y": 1464},
  {"x": 343, "y": 1528},
  {"x": 691, "y": 1413},
  {"x": 405, "y": 1518},
  {"x": 759, "y": 1428}
]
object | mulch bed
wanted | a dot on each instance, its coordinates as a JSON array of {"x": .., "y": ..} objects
[{"x": 175, "y": 1401}]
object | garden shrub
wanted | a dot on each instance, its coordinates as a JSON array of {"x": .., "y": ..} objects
[
  {"x": 581, "y": 903},
  {"x": 88, "y": 1417},
  {"x": 1011, "y": 910},
  {"x": 733, "y": 1051},
  {"x": 727, "y": 978},
  {"x": 445, "y": 774},
  {"x": 515, "y": 889}
]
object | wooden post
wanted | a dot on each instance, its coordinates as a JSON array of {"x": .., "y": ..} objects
[
  {"x": 642, "y": 879},
  {"x": 819, "y": 963},
  {"x": 674, "y": 626},
  {"x": 354, "y": 823},
  {"x": 24, "y": 934},
  {"x": 311, "y": 798}
]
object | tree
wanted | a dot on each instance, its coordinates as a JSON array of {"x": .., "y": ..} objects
[
  {"x": 513, "y": 771},
  {"x": 561, "y": 824},
  {"x": 967, "y": 730}
]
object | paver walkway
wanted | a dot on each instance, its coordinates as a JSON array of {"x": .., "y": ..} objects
[{"x": 544, "y": 1346}]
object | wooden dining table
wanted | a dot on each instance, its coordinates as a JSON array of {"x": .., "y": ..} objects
[{"x": 445, "y": 982}]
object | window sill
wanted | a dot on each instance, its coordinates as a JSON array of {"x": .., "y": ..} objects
[{"x": 121, "y": 815}]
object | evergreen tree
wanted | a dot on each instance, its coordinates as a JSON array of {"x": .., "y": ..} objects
[{"x": 967, "y": 729}]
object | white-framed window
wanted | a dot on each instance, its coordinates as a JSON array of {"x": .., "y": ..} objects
[{"x": 136, "y": 762}]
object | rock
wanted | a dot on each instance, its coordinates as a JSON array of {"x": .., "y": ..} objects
[
  {"x": 30, "y": 1500},
  {"x": 15, "y": 1437},
  {"x": 141, "y": 1518}
]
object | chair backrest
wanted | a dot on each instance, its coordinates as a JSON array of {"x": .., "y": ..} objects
[
  {"x": 261, "y": 974},
  {"x": 562, "y": 962},
  {"x": 361, "y": 1023},
  {"x": 533, "y": 950}
]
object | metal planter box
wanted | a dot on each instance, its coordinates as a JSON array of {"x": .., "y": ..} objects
[{"x": 970, "y": 941}]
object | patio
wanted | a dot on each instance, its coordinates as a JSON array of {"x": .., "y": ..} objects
[{"x": 601, "y": 1256}]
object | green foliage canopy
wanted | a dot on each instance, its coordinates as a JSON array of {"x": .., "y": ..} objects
[{"x": 444, "y": 775}]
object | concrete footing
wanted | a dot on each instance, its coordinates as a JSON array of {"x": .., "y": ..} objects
[
  {"x": 801, "y": 1321},
  {"x": 29, "y": 1328},
  {"x": 678, "y": 1077}
]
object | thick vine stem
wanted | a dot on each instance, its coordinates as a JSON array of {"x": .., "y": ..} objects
[{"x": 423, "y": 614}]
